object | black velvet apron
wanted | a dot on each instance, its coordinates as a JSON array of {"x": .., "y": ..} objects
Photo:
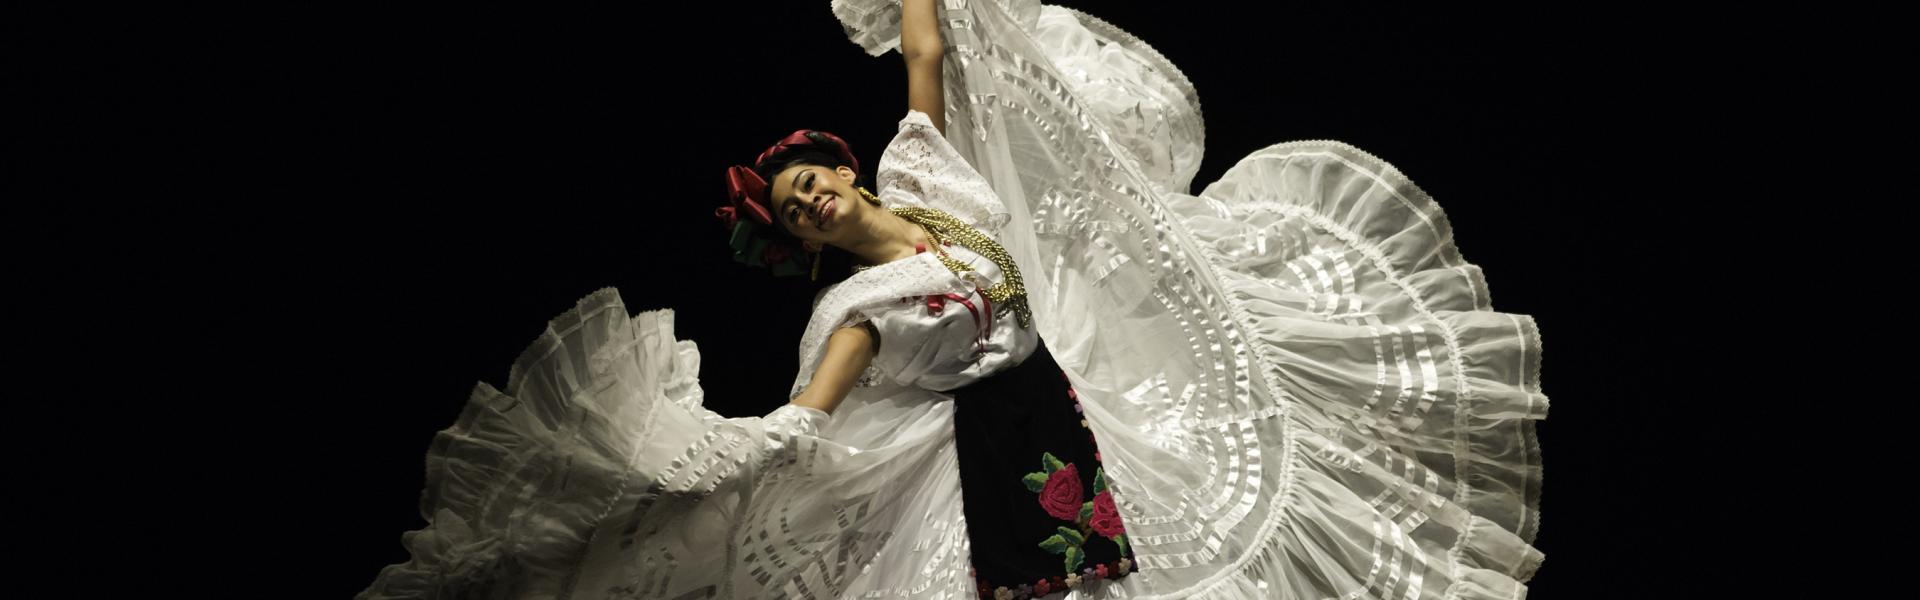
[{"x": 1028, "y": 472}]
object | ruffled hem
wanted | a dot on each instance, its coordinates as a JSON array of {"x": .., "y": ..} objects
[
  {"x": 1145, "y": 52},
  {"x": 1348, "y": 342},
  {"x": 1328, "y": 253},
  {"x": 1301, "y": 385},
  {"x": 517, "y": 485},
  {"x": 598, "y": 473}
]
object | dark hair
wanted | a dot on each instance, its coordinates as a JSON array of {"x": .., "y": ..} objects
[{"x": 835, "y": 263}]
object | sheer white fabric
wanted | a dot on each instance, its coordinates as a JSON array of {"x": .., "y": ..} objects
[
  {"x": 598, "y": 474},
  {"x": 1299, "y": 385}
]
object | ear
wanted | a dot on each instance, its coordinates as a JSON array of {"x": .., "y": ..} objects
[{"x": 846, "y": 173}]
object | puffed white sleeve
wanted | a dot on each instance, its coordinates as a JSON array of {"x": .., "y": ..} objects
[{"x": 919, "y": 167}]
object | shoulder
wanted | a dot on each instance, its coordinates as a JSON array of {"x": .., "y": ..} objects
[
  {"x": 918, "y": 129},
  {"x": 823, "y": 293},
  {"x": 917, "y": 150},
  {"x": 832, "y": 309}
]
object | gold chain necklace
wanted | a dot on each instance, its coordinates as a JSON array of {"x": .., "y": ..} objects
[{"x": 941, "y": 227}]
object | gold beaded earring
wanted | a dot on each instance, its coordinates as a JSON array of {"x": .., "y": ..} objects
[{"x": 871, "y": 199}]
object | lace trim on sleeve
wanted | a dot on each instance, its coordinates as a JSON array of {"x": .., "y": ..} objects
[{"x": 921, "y": 168}]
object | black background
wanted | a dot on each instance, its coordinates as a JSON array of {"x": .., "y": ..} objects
[{"x": 328, "y": 223}]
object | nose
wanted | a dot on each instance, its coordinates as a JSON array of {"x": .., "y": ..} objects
[
  {"x": 806, "y": 202},
  {"x": 813, "y": 205},
  {"x": 803, "y": 201}
]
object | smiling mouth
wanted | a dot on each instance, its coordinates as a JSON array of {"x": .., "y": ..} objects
[{"x": 826, "y": 212}]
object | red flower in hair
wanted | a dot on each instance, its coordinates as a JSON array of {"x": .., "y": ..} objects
[{"x": 748, "y": 194}]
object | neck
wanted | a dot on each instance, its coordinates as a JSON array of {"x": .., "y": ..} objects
[{"x": 893, "y": 240}]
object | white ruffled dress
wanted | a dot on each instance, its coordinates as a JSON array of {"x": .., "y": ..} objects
[{"x": 1299, "y": 385}]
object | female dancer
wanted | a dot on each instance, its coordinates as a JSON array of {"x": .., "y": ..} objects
[{"x": 1298, "y": 386}]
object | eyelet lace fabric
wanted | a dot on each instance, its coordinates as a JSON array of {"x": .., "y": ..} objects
[
  {"x": 921, "y": 168},
  {"x": 1299, "y": 384}
]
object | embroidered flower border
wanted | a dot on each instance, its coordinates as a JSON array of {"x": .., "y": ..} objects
[{"x": 1057, "y": 485}]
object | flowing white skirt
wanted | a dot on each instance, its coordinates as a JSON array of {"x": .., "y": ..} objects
[{"x": 1299, "y": 385}]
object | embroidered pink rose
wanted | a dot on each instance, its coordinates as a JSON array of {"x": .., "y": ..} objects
[
  {"x": 1061, "y": 496},
  {"x": 1106, "y": 518}
]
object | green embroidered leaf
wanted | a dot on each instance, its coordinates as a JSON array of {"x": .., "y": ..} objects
[
  {"x": 1035, "y": 482},
  {"x": 1072, "y": 536},
  {"x": 1099, "y": 480},
  {"x": 1086, "y": 511},
  {"x": 1055, "y": 544},
  {"x": 1052, "y": 464},
  {"x": 1121, "y": 541},
  {"x": 1074, "y": 558}
]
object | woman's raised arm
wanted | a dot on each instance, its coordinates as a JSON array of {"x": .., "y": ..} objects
[
  {"x": 848, "y": 353},
  {"x": 920, "y": 43}
]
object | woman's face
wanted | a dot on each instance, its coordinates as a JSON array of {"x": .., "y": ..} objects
[{"x": 819, "y": 205}]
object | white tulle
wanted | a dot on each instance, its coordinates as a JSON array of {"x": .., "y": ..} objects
[{"x": 1299, "y": 385}]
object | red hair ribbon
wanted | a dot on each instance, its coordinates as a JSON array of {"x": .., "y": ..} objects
[{"x": 747, "y": 191}]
